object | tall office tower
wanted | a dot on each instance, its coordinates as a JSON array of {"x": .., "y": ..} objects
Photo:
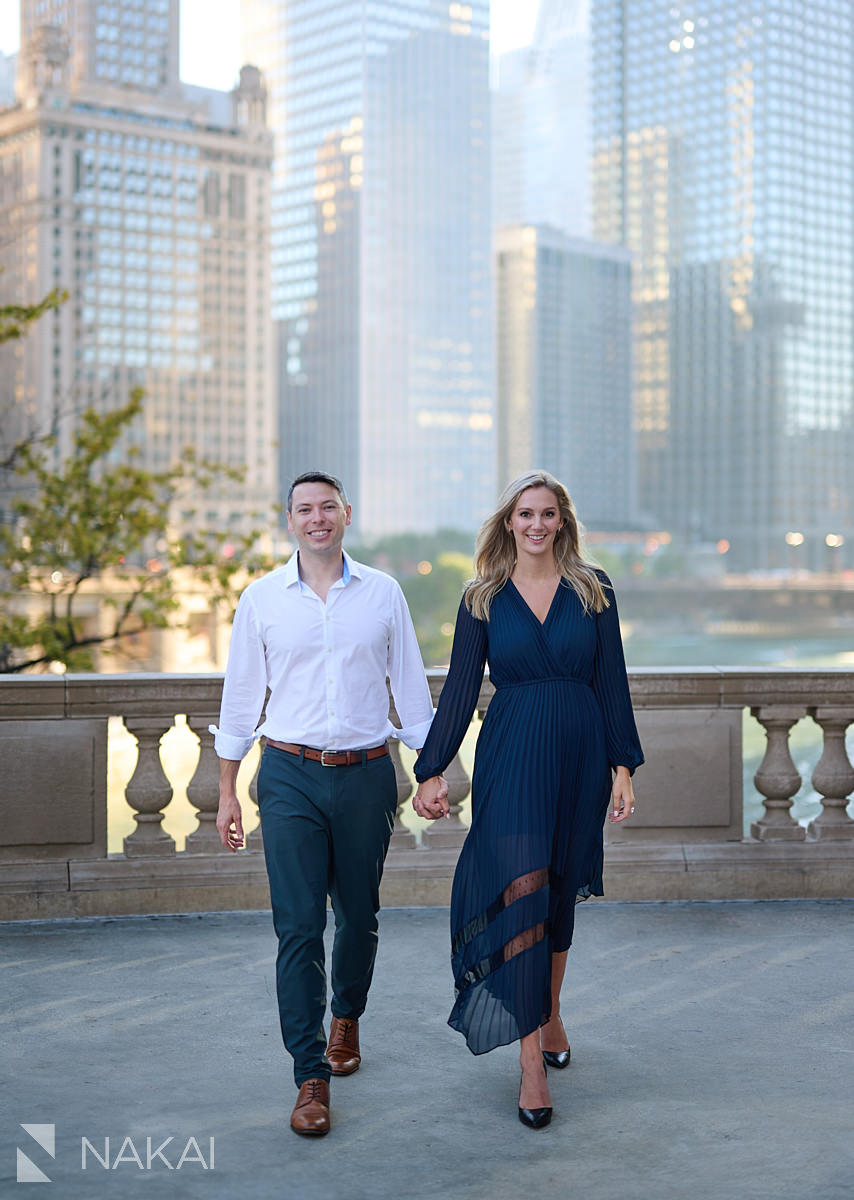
[
  {"x": 118, "y": 43},
  {"x": 724, "y": 159},
  {"x": 541, "y": 125},
  {"x": 381, "y": 238},
  {"x": 151, "y": 206},
  {"x": 564, "y": 368}
]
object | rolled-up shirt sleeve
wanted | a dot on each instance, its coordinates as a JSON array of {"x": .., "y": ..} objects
[
  {"x": 245, "y": 686},
  {"x": 409, "y": 685}
]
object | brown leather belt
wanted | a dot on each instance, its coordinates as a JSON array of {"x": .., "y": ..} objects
[{"x": 331, "y": 758}]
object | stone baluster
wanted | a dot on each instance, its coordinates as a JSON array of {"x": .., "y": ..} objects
[
  {"x": 833, "y": 777},
  {"x": 148, "y": 791},
  {"x": 401, "y": 838},
  {"x": 777, "y": 778},
  {"x": 255, "y": 839},
  {"x": 203, "y": 788},
  {"x": 449, "y": 832}
]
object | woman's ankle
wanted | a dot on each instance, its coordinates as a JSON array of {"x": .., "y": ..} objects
[{"x": 531, "y": 1059}]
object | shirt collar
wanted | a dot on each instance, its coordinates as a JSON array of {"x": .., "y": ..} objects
[
  {"x": 351, "y": 568},
  {"x": 291, "y": 577}
]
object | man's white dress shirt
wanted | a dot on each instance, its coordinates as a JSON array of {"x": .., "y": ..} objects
[{"x": 324, "y": 663}]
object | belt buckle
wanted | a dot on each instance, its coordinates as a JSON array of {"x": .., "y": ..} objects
[{"x": 323, "y": 761}]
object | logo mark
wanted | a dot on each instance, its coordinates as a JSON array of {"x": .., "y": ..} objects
[{"x": 45, "y": 1136}]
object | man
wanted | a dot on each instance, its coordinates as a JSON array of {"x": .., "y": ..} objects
[{"x": 322, "y": 632}]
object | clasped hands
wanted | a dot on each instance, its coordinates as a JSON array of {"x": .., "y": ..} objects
[{"x": 431, "y": 798}]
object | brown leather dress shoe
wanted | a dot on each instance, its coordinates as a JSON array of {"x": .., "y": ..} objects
[
  {"x": 343, "y": 1049},
  {"x": 311, "y": 1111}
]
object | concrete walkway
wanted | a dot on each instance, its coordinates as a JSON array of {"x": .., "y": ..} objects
[{"x": 713, "y": 1058}]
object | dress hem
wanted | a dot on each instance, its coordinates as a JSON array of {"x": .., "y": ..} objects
[
  {"x": 489, "y": 1049},
  {"x": 581, "y": 896}
]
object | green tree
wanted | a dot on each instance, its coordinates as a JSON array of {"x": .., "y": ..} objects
[
  {"x": 94, "y": 518},
  {"x": 432, "y": 569},
  {"x": 15, "y": 322},
  {"x": 400, "y": 553},
  {"x": 15, "y": 319},
  {"x": 433, "y": 598},
  {"x": 611, "y": 561}
]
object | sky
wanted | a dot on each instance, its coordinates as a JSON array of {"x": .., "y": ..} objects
[{"x": 210, "y": 50}]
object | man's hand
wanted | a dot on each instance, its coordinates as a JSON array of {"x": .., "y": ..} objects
[
  {"x": 228, "y": 819},
  {"x": 431, "y": 799},
  {"x": 229, "y": 822}
]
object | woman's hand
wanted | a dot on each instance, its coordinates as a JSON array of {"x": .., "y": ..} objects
[
  {"x": 622, "y": 796},
  {"x": 431, "y": 799}
]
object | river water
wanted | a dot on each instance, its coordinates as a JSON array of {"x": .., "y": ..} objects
[{"x": 646, "y": 648}]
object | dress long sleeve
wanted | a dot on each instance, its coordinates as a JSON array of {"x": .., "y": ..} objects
[
  {"x": 459, "y": 696},
  {"x": 611, "y": 686}
]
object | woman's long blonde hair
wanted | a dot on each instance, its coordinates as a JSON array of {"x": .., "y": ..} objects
[{"x": 495, "y": 549}]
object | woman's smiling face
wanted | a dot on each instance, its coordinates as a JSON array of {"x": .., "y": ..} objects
[{"x": 534, "y": 522}]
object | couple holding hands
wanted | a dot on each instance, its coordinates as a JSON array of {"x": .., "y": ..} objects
[{"x": 554, "y": 757}]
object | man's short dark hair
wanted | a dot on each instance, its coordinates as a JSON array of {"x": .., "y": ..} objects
[{"x": 317, "y": 477}]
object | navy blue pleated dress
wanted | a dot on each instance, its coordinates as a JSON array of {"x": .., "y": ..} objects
[{"x": 560, "y": 719}]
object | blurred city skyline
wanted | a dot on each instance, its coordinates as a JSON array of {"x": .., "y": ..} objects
[
  {"x": 428, "y": 259},
  {"x": 214, "y": 60},
  {"x": 620, "y": 198}
]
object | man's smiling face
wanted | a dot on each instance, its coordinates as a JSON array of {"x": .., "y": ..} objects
[{"x": 318, "y": 519}]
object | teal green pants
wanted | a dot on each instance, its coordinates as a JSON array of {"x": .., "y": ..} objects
[{"x": 326, "y": 831}]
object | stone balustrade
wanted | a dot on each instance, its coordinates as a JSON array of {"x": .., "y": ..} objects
[{"x": 686, "y": 840}]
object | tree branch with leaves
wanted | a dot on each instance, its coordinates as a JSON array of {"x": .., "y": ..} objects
[
  {"x": 15, "y": 322},
  {"x": 95, "y": 519}
]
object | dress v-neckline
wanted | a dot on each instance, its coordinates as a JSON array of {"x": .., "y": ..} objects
[{"x": 542, "y": 624}]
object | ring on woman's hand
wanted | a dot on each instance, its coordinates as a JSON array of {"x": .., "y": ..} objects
[{"x": 632, "y": 809}]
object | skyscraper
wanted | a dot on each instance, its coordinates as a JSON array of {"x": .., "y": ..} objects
[
  {"x": 564, "y": 368},
  {"x": 724, "y": 159},
  {"x": 150, "y": 205},
  {"x": 541, "y": 125},
  {"x": 381, "y": 243}
]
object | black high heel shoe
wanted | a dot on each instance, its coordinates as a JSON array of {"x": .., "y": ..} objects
[
  {"x": 557, "y": 1058},
  {"x": 534, "y": 1118}
]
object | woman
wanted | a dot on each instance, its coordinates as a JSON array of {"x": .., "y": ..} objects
[{"x": 559, "y": 723}]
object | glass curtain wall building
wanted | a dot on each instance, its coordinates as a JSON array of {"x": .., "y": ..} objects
[
  {"x": 381, "y": 241},
  {"x": 564, "y": 368},
  {"x": 724, "y": 159},
  {"x": 150, "y": 204},
  {"x": 541, "y": 125}
]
